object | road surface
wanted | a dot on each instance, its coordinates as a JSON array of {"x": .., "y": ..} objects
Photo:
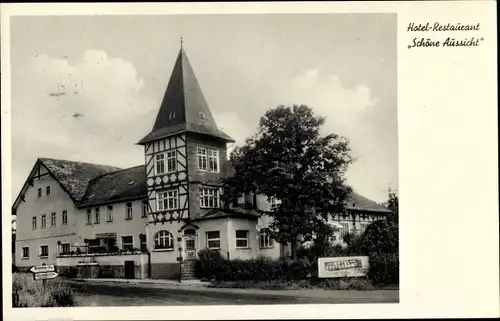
[{"x": 106, "y": 294}]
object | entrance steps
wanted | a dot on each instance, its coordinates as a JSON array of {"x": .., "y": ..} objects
[{"x": 188, "y": 270}]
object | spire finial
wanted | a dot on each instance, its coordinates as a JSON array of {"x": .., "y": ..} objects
[{"x": 181, "y": 42}]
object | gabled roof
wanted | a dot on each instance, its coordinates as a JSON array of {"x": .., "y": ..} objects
[
  {"x": 126, "y": 184},
  {"x": 360, "y": 203},
  {"x": 183, "y": 108},
  {"x": 73, "y": 176}
]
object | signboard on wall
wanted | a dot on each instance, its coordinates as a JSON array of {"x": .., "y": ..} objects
[{"x": 337, "y": 267}]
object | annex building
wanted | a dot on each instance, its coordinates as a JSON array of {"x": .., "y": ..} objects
[{"x": 101, "y": 221}]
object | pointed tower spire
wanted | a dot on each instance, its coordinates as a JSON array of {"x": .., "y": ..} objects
[{"x": 183, "y": 108}]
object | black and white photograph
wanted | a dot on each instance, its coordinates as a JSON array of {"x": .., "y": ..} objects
[
  {"x": 177, "y": 160},
  {"x": 186, "y": 159}
]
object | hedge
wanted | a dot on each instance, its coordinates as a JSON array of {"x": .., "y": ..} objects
[{"x": 211, "y": 265}]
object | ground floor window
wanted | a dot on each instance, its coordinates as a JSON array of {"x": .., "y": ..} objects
[
  {"x": 345, "y": 229},
  {"x": 65, "y": 248},
  {"x": 44, "y": 250},
  {"x": 144, "y": 246},
  {"x": 127, "y": 243},
  {"x": 164, "y": 240},
  {"x": 241, "y": 239},
  {"x": 265, "y": 240},
  {"x": 26, "y": 252},
  {"x": 213, "y": 239}
]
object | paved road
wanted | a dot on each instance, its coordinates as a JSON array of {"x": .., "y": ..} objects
[
  {"x": 135, "y": 295},
  {"x": 105, "y": 294}
]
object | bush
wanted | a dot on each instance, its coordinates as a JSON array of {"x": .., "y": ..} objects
[
  {"x": 381, "y": 243},
  {"x": 359, "y": 284},
  {"x": 27, "y": 292},
  {"x": 380, "y": 237},
  {"x": 211, "y": 265},
  {"x": 384, "y": 268}
]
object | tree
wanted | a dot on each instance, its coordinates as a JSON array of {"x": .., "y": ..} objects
[
  {"x": 288, "y": 159},
  {"x": 393, "y": 205}
]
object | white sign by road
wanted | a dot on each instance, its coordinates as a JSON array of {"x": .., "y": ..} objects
[
  {"x": 337, "y": 267},
  {"x": 42, "y": 268},
  {"x": 45, "y": 275}
]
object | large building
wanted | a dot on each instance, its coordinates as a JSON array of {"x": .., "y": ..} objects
[{"x": 103, "y": 221}]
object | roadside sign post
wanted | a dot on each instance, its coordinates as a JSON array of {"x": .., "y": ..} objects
[
  {"x": 44, "y": 272},
  {"x": 337, "y": 267}
]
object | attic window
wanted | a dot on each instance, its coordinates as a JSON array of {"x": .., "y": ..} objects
[
  {"x": 202, "y": 116},
  {"x": 171, "y": 115}
]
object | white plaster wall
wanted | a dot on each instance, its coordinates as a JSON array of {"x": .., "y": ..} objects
[{"x": 57, "y": 201}]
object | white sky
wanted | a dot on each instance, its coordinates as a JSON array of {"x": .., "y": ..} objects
[{"x": 113, "y": 70}]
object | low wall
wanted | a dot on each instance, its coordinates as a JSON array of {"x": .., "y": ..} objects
[{"x": 102, "y": 266}]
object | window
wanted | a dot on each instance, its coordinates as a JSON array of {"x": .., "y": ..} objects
[
  {"x": 167, "y": 200},
  {"x": 209, "y": 198},
  {"x": 44, "y": 250},
  {"x": 171, "y": 161},
  {"x": 127, "y": 243},
  {"x": 144, "y": 245},
  {"x": 39, "y": 192},
  {"x": 65, "y": 248},
  {"x": 213, "y": 160},
  {"x": 160, "y": 164},
  {"x": 364, "y": 226},
  {"x": 53, "y": 219},
  {"x": 190, "y": 244},
  {"x": 26, "y": 252},
  {"x": 129, "y": 211},
  {"x": 89, "y": 216},
  {"x": 241, "y": 239},
  {"x": 33, "y": 222},
  {"x": 345, "y": 230},
  {"x": 275, "y": 202},
  {"x": 44, "y": 220},
  {"x": 64, "y": 217},
  {"x": 97, "y": 215},
  {"x": 213, "y": 240},
  {"x": 109, "y": 214},
  {"x": 164, "y": 240},
  {"x": 265, "y": 240},
  {"x": 47, "y": 190},
  {"x": 202, "y": 159},
  {"x": 145, "y": 209}
]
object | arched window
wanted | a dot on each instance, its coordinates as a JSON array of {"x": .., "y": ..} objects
[
  {"x": 265, "y": 240},
  {"x": 164, "y": 240}
]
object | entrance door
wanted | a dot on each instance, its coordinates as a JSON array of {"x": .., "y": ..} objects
[
  {"x": 190, "y": 247},
  {"x": 129, "y": 270}
]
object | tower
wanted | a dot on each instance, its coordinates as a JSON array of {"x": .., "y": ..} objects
[{"x": 185, "y": 152}]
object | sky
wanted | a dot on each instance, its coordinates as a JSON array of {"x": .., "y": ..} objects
[{"x": 88, "y": 88}]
